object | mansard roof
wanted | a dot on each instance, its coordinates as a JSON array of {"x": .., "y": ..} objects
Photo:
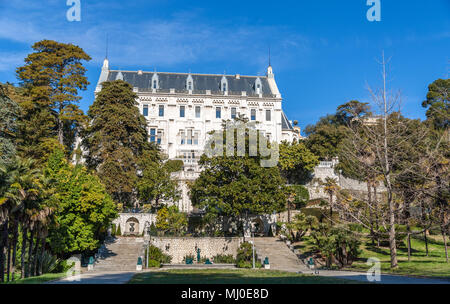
[
  {"x": 285, "y": 124},
  {"x": 202, "y": 82}
]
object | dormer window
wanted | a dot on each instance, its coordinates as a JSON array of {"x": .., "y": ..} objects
[
  {"x": 190, "y": 83},
  {"x": 258, "y": 86},
  {"x": 155, "y": 82},
  {"x": 224, "y": 84}
]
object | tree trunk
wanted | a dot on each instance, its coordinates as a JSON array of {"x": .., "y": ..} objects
[
  {"x": 35, "y": 256},
  {"x": 331, "y": 209},
  {"x": 23, "y": 250},
  {"x": 42, "y": 256},
  {"x": 8, "y": 264},
  {"x": 409, "y": 246},
  {"x": 369, "y": 200},
  {"x": 425, "y": 228},
  {"x": 60, "y": 127},
  {"x": 387, "y": 176},
  {"x": 392, "y": 241},
  {"x": 375, "y": 200},
  {"x": 3, "y": 243},
  {"x": 30, "y": 255},
  {"x": 445, "y": 243},
  {"x": 15, "y": 237}
]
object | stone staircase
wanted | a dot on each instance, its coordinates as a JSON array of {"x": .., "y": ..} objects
[
  {"x": 280, "y": 256},
  {"x": 119, "y": 254}
]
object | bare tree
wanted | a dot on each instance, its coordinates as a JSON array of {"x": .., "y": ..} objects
[{"x": 377, "y": 148}]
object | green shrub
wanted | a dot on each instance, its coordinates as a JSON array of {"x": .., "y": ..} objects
[
  {"x": 336, "y": 244},
  {"x": 156, "y": 254},
  {"x": 153, "y": 264},
  {"x": 49, "y": 262},
  {"x": 224, "y": 259},
  {"x": 118, "y": 232},
  {"x": 248, "y": 264},
  {"x": 245, "y": 252},
  {"x": 63, "y": 266}
]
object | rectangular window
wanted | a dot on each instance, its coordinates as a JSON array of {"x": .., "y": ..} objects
[
  {"x": 161, "y": 111},
  {"x": 145, "y": 111},
  {"x": 189, "y": 137},
  {"x": 268, "y": 116},
  {"x": 160, "y": 136},
  {"x": 253, "y": 114},
  {"x": 196, "y": 138},
  {"x": 197, "y": 111},
  {"x": 182, "y": 108},
  {"x": 233, "y": 113},
  {"x": 152, "y": 135},
  {"x": 183, "y": 137},
  {"x": 218, "y": 112}
]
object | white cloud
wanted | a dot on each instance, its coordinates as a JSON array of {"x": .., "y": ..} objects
[{"x": 180, "y": 39}]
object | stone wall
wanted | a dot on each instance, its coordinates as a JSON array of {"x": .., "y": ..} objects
[{"x": 179, "y": 247}]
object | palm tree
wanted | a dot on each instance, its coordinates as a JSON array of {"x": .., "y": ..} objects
[
  {"x": 22, "y": 181},
  {"x": 331, "y": 188}
]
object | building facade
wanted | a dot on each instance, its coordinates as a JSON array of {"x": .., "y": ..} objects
[{"x": 182, "y": 108}]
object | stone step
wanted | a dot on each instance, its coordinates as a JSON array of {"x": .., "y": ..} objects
[{"x": 280, "y": 256}]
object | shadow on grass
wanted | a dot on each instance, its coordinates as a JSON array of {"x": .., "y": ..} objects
[{"x": 231, "y": 277}]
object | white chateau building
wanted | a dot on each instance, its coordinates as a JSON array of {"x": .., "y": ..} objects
[{"x": 182, "y": 108}]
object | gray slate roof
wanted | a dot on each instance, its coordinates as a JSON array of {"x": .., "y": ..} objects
[
  {"x": 201, "y": 82},
  {"x": 285, "y": 124}
]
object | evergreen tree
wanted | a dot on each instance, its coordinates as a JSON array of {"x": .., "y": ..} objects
[
  {"x": 116, "y": 139},
  {"x": 9, "y": 113},
  {"x": 53, "y": 74},
  {"x": 437, "y": 102}
]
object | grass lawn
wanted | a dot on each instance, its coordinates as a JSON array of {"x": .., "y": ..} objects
[
  {"x": 420, "y": 265},
  {"x": 40, "y": 279},
  {"x": 230, "y": 276}
]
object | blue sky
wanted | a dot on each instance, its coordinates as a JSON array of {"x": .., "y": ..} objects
[{"x": 324, "y": 53}]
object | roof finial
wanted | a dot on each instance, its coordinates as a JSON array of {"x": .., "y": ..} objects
[
  {"x": 106, "y": 51},
  {"x": 269, "y": 56}
]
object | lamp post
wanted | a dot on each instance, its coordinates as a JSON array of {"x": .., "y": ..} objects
[{"x": 253, "y": 246}]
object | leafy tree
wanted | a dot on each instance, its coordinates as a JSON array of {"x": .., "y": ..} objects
[
  {"x": 324, "y": 137},
  {"x": 170, "y": 219},
  {"x": 351, "y": 111},
  {"x": 84, "y": 207},
  {"x": 9, "y": 113},
  {"x": 296, "y": 162},
  {"x": 437, "y": 102},
  {"x": 237, "y": 186},
  {"x": 301, "y": 225},
  {"x": 53, "y": 74},
  {"x": 116, "y": 139},
  {"x": 155, "y": 183}
]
